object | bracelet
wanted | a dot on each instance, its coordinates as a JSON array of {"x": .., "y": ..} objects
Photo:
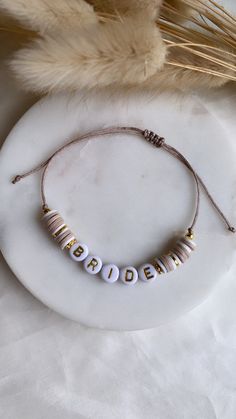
[{"x": 79, "y": 251}]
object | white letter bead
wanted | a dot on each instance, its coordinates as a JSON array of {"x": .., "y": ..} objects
[
  {"x": 147, "y": 272},
  {"x": 110, "y": 273},
  {"x": 79, "y": 252},
  {"x": 129, "y": 275},
  {"x": 92, "y": 264}
]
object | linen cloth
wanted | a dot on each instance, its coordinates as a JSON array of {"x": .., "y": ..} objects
[{"x": 51, "y": 367}]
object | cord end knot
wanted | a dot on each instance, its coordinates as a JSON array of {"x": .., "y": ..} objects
[
  {"x": 45, "y": 208},
  {"x": 232, "y": 229},
  {"x": 153, "y": 138},
  {"x": 16, "y": 179}
]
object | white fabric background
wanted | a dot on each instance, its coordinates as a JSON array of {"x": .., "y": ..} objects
[{"x": 51, "y": 367}]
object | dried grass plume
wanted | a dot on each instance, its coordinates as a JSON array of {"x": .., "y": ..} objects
[
  {"x": 50, "y": 15},
  {"x": 109, "y": 8},
  {"x": 157, "y": 44},
  {"x": 117, "y": 52}
]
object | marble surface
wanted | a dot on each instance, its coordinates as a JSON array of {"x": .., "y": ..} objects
[{"x": 125, "y": 199}]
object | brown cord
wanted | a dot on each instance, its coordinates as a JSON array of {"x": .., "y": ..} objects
[{"x": 151, "y": 137}]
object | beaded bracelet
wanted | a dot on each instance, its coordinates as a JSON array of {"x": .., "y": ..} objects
[{"x": 79, "y": 252}]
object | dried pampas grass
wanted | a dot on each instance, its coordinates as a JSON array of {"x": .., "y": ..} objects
[
  {"x": 156, "y": 44},
  {"x": 108, "y": 8},
  {"x": 114, "y": 53},
  {"x": 50, "y": 15}
]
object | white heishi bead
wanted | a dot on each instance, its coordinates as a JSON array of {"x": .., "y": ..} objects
[
  {"x": 147, "y": 272},
  {"x": 110, "y": 273},
  {"x": 129, "y": 275},
  {"x": 186, "y": 247},
  {"x": 172, "y": 262},
  {"x": 49, "y": 213},
  {"x": 191, "y": 242},
  {"x": 177, "y": 258},
  {"x": 92, "y": 264},
  {"x": 79, "y": 252}
]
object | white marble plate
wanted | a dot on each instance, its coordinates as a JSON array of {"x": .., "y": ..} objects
[{"x": 122, "y": 197}]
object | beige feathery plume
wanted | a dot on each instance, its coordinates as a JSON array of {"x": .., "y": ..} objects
[
  {"x": 130, "y": 7},
  {"x": 117, "y": 52},
  {"x": 183, "y": 78},
  {"x": 127, "y": 7},
  {"x": 50, "y": 15}
]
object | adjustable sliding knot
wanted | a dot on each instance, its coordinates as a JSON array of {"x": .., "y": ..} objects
[
  {"x": 232, "y": 229},
  {"x": 153, "y": 138},
  {"x": 45, "y": 208}
]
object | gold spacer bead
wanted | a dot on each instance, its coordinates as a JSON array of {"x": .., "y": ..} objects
[
  {"x": 45, "y": 209},
  {"x": 157, "y": 267},
  {"x": 59, "y": 231},
  {"x": 174, "y": 259},
  {"x": 190, "y": 234},
  {"x": 70, "y": 244}
]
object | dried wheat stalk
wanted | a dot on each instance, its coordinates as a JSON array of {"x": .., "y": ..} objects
[{"x": 206, "y": 33}]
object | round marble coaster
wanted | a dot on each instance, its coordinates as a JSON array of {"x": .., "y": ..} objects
[{"x": 123, "y": 198}]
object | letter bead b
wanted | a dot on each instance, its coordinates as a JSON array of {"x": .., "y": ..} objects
[{"x": 79, "y": 252}]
